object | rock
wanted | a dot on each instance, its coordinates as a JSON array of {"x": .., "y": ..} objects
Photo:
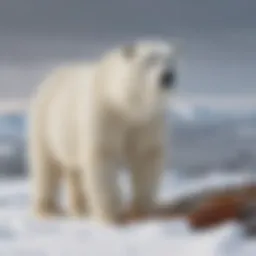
[
  {"x": 215, "y": 211},
  {"x": 237, "y": 205}
]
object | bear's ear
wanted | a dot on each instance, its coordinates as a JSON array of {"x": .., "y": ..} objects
[{"x": 128, "y": 51}]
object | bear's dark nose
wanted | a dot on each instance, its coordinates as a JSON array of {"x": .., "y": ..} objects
[{"x": 167, "y": 79}]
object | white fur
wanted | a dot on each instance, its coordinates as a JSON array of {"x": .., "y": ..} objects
[{"x": 87, "y": 120}]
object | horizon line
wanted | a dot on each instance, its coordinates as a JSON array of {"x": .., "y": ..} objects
[{"x": 216, "y": 101}]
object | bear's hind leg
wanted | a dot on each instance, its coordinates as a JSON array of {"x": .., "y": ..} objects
[
  {"x": 75, "y": 193},
  {"x": 45, "y": 175}
]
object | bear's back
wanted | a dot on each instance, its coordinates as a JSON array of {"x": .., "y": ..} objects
[{"x": 60, "y": 98}]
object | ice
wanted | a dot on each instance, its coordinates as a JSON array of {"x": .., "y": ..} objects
[{"x": 22, "y": 234}]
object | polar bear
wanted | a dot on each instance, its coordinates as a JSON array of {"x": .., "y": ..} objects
[{"x": 88, "y": 120}]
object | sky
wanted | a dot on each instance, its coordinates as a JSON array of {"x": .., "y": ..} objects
[{"x": 218, "y": 39}]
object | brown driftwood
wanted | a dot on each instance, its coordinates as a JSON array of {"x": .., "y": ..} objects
[{"x": 204, "y": 209}]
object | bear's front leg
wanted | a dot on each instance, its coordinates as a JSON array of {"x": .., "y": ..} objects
[
  {"x": 146, "y": 171},
  {"x": 101, "y": 187}
]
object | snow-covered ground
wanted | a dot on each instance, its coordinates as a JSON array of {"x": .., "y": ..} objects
[{"x": 21, "y": 234}]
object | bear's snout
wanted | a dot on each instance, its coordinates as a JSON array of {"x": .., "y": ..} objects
[{"x": 167, "y": 79}]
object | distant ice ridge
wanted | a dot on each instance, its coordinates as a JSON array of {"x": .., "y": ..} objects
[
  {"x": 12, "y": 124},
  {"x": 212, "y": 109}
]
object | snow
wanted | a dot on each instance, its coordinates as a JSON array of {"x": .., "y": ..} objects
[{"x": 22, "y": 234}]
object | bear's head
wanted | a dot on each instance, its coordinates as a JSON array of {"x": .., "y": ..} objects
[{"x": 139, "y": 78}]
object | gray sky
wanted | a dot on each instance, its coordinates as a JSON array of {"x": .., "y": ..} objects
[{"x": 218, "y": 36}]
